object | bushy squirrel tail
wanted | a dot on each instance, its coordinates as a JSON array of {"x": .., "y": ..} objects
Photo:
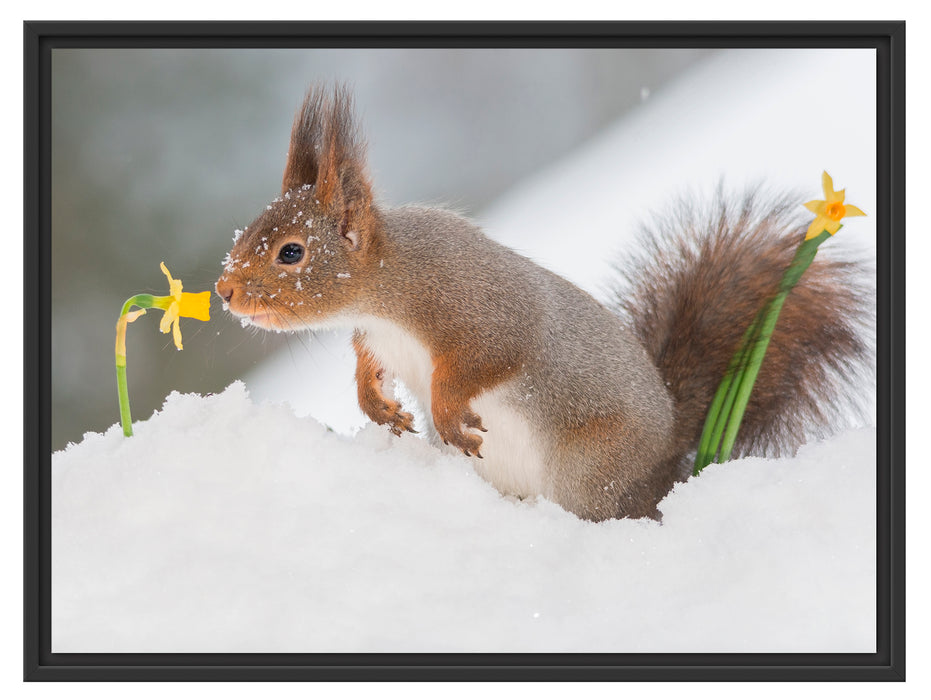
[{"x": 697, "y": 283}]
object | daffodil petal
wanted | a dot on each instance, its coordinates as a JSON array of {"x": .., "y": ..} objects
[
  {"x": 853, "y": 211},
  {"x": 816, "y": 227},
  {"x": 815, "y": 206},
  {"x": 171, "y": 314},
  {"x": 827, "y": 184},
  {"x": 176, "y": 331},
  {"x": 822, "y": 223},
  {"x": 174, "y": 286}
]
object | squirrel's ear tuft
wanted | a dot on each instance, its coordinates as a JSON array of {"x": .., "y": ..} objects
[
  {"x": 307, "y": 131},
  {"x": 327, "y": 152}
]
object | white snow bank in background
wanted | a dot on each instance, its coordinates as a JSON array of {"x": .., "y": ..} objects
[
  {"x": 742, "y": 117},
  {"x": 226, "y": 526}
]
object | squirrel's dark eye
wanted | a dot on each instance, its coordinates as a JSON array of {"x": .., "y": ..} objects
[{"x": 290, "y": 253}]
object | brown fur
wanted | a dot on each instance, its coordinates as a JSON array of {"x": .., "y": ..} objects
[
  {"x": 698, "y": 282},
  {"x": 603, "y": 488}
]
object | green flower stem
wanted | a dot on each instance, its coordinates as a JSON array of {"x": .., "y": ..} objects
[
  {"x": 126, "y": 419},
  {"x": 723, "y": 400},
  {"x": 730, "y": 402},
  {"x": 142, "y": 301}
]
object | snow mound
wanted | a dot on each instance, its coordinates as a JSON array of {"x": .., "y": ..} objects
[{"x": 227, "y": 526}]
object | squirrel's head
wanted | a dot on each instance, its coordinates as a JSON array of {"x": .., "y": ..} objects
[{"x": 304, "y": 260}]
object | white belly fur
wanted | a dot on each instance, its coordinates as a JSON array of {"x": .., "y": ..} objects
[{"x": 512, "y": 460}]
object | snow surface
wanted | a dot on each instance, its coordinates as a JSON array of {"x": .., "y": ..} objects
[
  {"x": 225, "y": 525},
  {"x": 231, "y": 524}
]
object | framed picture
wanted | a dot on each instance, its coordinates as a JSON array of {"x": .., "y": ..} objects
[{"x": 247, "y": 520}]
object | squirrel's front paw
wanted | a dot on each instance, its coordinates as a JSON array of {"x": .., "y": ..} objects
[
  {"x": 389, "y": 413},
  {"x": 452, "y": 434}
]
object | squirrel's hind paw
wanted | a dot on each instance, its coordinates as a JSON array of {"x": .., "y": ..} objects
[{"x": 452, "y": 434}]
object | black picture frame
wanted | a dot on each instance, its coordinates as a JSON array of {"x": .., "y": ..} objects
[{"x": 887, "y": 663}]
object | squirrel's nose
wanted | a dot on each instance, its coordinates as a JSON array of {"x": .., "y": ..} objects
[{"x": 225, "y": 290}]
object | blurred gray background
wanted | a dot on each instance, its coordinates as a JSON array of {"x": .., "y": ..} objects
[{"x": 160, "y": 154}]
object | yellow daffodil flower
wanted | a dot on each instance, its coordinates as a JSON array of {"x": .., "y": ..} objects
[
  {"x": 180, "y": 303},
  {"x": 829, "y": 211}
]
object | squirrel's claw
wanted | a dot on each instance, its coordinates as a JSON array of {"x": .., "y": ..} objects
[
  {"x": 401, "y": 422},
  {"x": 472, "y": 420}
]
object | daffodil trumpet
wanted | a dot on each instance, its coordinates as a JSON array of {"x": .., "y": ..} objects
[
  {"x": 175, "y": 305},
  {"x": 727, "y": 408}
]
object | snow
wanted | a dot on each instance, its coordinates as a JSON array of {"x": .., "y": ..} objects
[
  {"x": 231, "y": 523},
  {"x": 227, "y": 525}
]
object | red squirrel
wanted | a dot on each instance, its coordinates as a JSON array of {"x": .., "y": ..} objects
[{"x": 550, "y": 392}]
